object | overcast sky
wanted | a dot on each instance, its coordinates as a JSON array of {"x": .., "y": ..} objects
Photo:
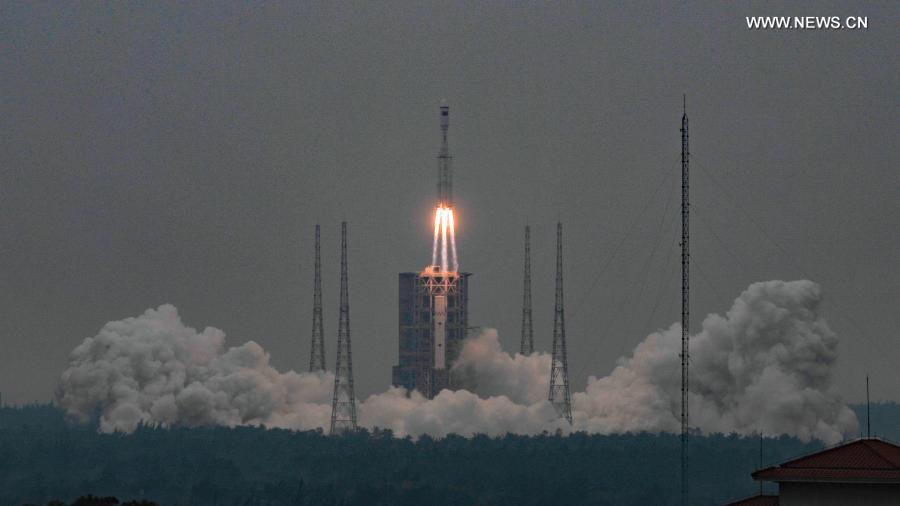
[{"x": 181, "y": 153}]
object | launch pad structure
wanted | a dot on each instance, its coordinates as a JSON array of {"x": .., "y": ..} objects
[
  {"x": 433, "y": 322},
  {"x": 434, "y": 302}
]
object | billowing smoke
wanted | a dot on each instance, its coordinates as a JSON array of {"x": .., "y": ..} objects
[
  {"x": 154, "y": 369},
  {"x": 764, "y": 366},
  {"x": 484, "y": 368},
  {"x": 458, "y": 412}
]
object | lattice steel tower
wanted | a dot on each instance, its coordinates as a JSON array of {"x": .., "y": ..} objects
[
  {"x": 559, "y": 368},
  {"x": 685, "y": 301},
  {"x": 317, "y": 347},
  {"x": 343, "y": 405},
  {"x": 526, "y": 347}
]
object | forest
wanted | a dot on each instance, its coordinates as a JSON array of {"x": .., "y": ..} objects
[{"x": 46, "y": 459}]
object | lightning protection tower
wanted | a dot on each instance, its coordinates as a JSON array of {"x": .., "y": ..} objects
[
  {"x": 526, "y": 347},
  {"x": 685, "y": 302},
  {"x": 559, "y": 368},
  {"x": 317, "y": 346},
  {"x": 343, "y": 405}
]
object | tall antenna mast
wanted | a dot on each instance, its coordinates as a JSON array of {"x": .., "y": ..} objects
[
  {"x": 868, "y": 414},
  {"x": 317, "y": 347},
  {"x": 526, "y": 347},
  {"x": 760, "y": 460},
  {"x": 559, "y": 368},
  {"x": 343, "y": 405},
  {"x": 685, "y": 300}
]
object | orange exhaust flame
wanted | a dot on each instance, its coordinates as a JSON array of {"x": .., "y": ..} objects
[{"x": 443, "y": 251}]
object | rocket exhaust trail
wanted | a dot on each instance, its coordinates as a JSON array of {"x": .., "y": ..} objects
[
  {"x": 437, "y": 224},
  {"x": 443, "y": 250},
  {"x": 444, "y": 241},
  {"x": 453, "y": 241}
]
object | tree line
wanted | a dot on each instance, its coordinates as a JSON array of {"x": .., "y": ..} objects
[{"x": 45, "y": 458}]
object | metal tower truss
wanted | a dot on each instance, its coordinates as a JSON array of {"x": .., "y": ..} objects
[
  {"x": 438, "y": 282},
  {"x": 317, "y": 346},
  {"x": 526, "y": 346},
  {"x": 442, "y": 325},
  {"x": 559, "y": 368},
  {"x": 343, "y": 406},
  {"x": 685, "y": 302}
]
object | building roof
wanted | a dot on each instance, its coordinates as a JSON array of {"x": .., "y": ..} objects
[
  {"x": 757, "y": 500},
  {"x": 863, "y": 460}
]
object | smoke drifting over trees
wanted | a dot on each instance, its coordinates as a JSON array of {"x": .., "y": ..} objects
[
  {"x": 766, "y": 365},
  {"x": 154, "y": 369}
]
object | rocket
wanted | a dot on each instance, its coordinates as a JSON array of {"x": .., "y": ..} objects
[
  {"x": 445, "y": 172},
  {"x": 443, "y": 251}
]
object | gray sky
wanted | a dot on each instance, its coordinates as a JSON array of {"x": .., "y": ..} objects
[{"x": 159, "y": 153}]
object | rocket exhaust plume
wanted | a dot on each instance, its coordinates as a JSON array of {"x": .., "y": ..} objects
[
  {"x": 453, "y": 240},
  {"x": 444, "y": 241},
  {"x": 443, "y": 252},
  {"x": 437, "y": 235}
]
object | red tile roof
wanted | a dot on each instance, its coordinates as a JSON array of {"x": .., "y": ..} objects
[
  {"x": 757, "y": 500},
  {"x": 860, "y": 460}
]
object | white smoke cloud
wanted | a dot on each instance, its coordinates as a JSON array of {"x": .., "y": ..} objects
[
  {"x": 484, "y": 368},
  {"x": 764, "y": 366},
  {"x": 154, "y": 369},
  {"x": 457, "y": 412}
]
